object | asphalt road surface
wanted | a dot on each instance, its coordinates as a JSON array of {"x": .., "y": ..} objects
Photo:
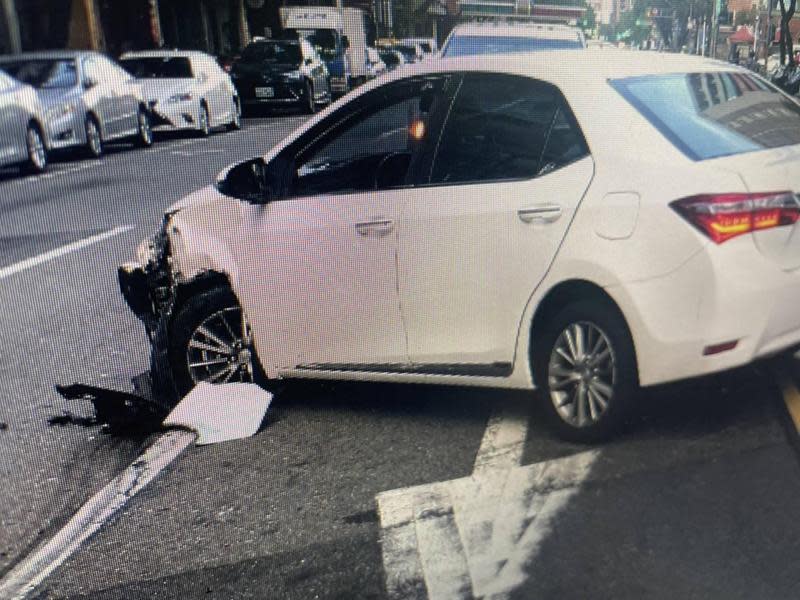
[{"x": 356, "y": 490}]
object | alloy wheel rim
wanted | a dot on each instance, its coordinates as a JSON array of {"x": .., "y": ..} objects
[
  {"x": 94, "y": 137},
  {"x": 144, "y": 129},
  {"x": 221, "y": 349},
  {"x": 36, "y": 149},
  {"x": 581, "y": 374},
  {"x": 204, "y": 121}
]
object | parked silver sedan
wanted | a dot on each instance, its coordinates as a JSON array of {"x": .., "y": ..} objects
[
  {"x": 23, "y": 134},
  {"x": 88, "y": 99},
  {"x": 185, "y": 90}
]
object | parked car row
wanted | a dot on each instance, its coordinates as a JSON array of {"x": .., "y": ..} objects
[{"x": 82, "y": 100}]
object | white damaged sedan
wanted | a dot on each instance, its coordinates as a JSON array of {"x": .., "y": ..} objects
[
  {"x": 185, "y": 90},
  {"x": 584, "y": 226}
]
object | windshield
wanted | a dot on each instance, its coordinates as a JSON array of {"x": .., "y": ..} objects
[
  {"x": 44, "y": 74},
  {"x": 465, "y": 45},
  {"x": 390, "y": 58},
  {"x": 706, "y": 115},
  {"x": 277, "y": 52},
  {"x": 325, "y": 41},
  {"x": 158, "y": 67}
]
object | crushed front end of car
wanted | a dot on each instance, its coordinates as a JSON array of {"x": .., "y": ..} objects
[{"x": 148, "y": 283}]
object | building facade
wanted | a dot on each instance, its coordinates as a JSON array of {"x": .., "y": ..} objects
[{"x": 220, "y": 27}]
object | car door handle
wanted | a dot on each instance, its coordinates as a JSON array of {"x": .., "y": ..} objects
[
  {"x": 377, "y": 227},
  {"x": 544, "y": 214}
]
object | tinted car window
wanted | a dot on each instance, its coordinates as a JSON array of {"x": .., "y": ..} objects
[
  {"x": 389, "y": 58},
  {"x": 505, "y": 127},
  {"x": 157, "y": 67},
  {"x": 706, "y": 115},
  {"x": 277, "y": 52},
  {"x": 371, "y": 149},
  {"x": 465, "y": 45},
  {"x": 44, "y": 74}
]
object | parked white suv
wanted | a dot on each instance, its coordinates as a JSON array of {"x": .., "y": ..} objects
[{"x": 558, "y": 221}]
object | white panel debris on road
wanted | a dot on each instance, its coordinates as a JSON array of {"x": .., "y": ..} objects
[
  {"x": 208, "y": 414},
  {"x": 220, "y": 413}
]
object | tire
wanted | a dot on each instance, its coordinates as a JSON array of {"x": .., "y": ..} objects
[
  {"x": 204, "y": 123},
  {"x": 94, "y": 138},
  {"x": 310, "y": 105},
  {"x": 574, "y": 393},
  {"x": 37, "y": 151},
  {"x": 179, "y": 343},
  {"x": 144, "y": 138},
  {"x": 236, "y": 122}
]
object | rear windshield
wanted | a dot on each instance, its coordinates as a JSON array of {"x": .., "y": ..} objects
[
  {"x": 277, "y": 52},
  {"x": 466, "y": 45},
  {"x": 706, "y": 115},
  {"x": 44, "y": 74},
  {"x": 158, "y": 67}
]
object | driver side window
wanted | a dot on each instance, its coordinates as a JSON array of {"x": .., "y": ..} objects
[{"x": 371, "y": 148}]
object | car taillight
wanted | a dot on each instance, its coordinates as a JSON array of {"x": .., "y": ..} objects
[{"x": 724, "y": 216}]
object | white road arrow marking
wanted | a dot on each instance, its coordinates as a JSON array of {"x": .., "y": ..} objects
[{"x": 473, "y": 537}]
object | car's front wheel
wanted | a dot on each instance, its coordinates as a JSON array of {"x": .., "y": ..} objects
[
  {"x": 585, "y": 366},
  {"x": 310, "y": 103},
  {"x": 144, "y": 138},
  {"x": 94, "y": 139},
  {"x": 208, "y": 339},
  {"x": 236, "y": 117},
  {"x": 37, "y": 151},
  {"x": 204, "y": 122}
]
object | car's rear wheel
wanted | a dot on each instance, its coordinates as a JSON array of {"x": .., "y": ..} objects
[
  {"x": 37, "y": 151},
  {"x": 208, "y": 339},
  {"x": 94, "y": 139},
  {"x": 585, "y": 367},
  {"x": 144, "y": 138}
]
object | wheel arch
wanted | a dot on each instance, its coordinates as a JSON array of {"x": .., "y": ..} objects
[{"x": 565, "y": 293}]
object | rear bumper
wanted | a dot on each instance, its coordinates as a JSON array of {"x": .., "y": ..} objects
[{"x": 721, "y": 295}]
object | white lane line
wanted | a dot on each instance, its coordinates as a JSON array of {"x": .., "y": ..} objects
[
  {"x": 503, "y": 442},
  {"x": 197, "y": 152},
  {"x": 24, "y": 578},
  {"x": 474, "y": 536},
  {"x": 62, "y": 251}
]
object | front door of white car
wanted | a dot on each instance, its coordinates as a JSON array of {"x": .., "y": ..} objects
[
  {"x": 510, "y": 169},
  {"x": 318, "y": 268}
]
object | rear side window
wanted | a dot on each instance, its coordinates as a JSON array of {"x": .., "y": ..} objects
[
  {"x": 505, "y": 127},
  {"x": 707, "y": 115}
]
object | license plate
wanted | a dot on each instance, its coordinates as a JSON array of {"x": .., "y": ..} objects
[{"x": 265, "y": 92}]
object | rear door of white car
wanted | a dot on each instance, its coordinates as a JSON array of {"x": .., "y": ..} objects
[
  {"x": 318, "y": 268},
  {"x": 510, "y": 169}
]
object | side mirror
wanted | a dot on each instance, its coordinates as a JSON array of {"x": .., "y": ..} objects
[
  {"x": 309, "y": 61},
  {"x": 89, "y": 83},
  {"x": 250, "y": 181},
  {"x": 345, "y": 42}
]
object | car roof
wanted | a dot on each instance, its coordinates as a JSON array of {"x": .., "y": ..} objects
[
  {"x": 581, "y": 65},
  {"x": 164, "y": 54},
  {"x": 537, "y": 30},
  {"x": 49, "y": 55}
]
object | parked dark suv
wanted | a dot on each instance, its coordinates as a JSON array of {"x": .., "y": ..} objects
[{"x": 281, "y": 73}]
